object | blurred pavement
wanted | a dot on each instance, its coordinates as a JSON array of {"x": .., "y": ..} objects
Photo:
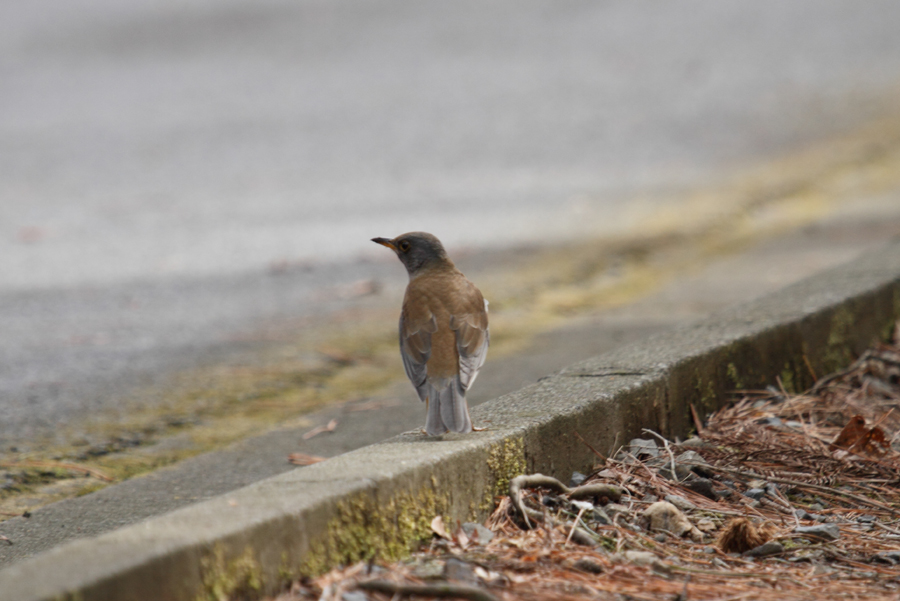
[{"x": 160, "y": 160}]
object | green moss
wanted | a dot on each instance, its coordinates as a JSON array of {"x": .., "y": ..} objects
[
  {"x": 837, "y": 351},
  {"x": 367, "y": 529},
  {"x": 735, "y": 377},
  {"x": 787, "y": 378},
  {"x": 705, "y": 391},
  {"x": 608, "y": 543},
  {"x": 506, "y": 460},
  {"x": 224, "y": 580}
]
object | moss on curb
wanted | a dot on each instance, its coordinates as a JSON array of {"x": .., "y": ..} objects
[
  {"x": 506, "y": 460},
  {"x": 365, "y": 528},
  {"x": 223, "y": 580}
]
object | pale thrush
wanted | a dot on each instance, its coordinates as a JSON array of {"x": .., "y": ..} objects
[{"x": 444, "y": 333}]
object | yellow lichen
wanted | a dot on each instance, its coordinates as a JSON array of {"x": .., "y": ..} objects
[
  {"x": 837, "y": 352},
  {"x": 365, "y": 528},
  {"x": 735, "y": 376},
  {"x": 787, "y": 379},
  {"x": 506, "y": 460},
  {"x": 223, "y": 580}
]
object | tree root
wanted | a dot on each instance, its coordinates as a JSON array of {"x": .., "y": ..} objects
[
  {"x": 579, "y": 535},
  {"x": 444, "y": 591}
]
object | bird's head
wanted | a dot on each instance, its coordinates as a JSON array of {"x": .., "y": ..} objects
[{"x": 417, "y": 250}]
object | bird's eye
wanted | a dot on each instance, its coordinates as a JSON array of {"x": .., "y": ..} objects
[{"x": 403, "y": 246}]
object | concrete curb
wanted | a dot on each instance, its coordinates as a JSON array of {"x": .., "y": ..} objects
[{"x": 379, "y": 499}]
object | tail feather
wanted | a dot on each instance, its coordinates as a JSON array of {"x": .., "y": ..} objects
[{"x": 447, "y": 408}]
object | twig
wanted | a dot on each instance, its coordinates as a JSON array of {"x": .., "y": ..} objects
[
  {"x": 533, "y": 481},
  {"x": 809, "y": 366},
  {"x": 444, "y": 591},
  {"x": 823, "y": 489},
  {"x": 668, "y": 450},
  {"x": 588, "y": 445},
  {"x": 883, "y": 527},
  {"x": 697, "y": 423},
  {"x": 329, "y": 427},
  {"x": 575, "y": 525},
  {"x": 586, "y": 491},
  {"x": 54, "y": 464},
  {"x": 683, "y": 596}
]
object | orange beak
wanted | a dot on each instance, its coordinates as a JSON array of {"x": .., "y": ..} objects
[{"x": 385, "y": 242}]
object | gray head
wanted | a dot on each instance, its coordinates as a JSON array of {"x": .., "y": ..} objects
[{"x": 417, "y": 250}]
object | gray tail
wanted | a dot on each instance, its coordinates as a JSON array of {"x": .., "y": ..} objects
[{"x": 447, "y": 408}]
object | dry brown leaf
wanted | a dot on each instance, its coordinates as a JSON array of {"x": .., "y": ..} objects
[
  {"x": 304, "y": 459},
  {"x": 329, "y": 427},
  {"x": 437, "y": 526}
]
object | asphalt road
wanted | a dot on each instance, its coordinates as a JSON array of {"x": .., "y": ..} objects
[{"x": 158, "y": 159}]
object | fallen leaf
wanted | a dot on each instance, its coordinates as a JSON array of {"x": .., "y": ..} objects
[
  {"x": 329, "y": 427},
  {"x": 857, "y": 438},
  {"x": 304, "y": 459},
  {"x": 437, "y": 526},
  {"x": 462, "y": 538},
  {"x": 852, "y": 432}
]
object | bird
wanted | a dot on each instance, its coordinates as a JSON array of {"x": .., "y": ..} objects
[{"x": 444, "y": 335}]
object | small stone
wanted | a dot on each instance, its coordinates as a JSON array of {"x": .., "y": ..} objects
[
  {"x": 477, "y": 533},
  {"x": 765, "y": 549},
  {"x": 707, "y": 525},
  {"x": 794, "y": 424},
  {"x": 682, "y": 472},
  {"x": 577, "y": 479},
  {"x": 703, "y": 486},
  {"x": 650, "y": 499},
  {"x": 613, "y": 509},
  {"x": 429, "y": 570},
  {"x": 660, "y": 538},
  {"x": 641, "y": 447},
  {"x": 770, "y": 421},
  {"x": 816, "y": 506},
  {"x": 641, "y": 558},
  {"x": 827, "y": 532},
  {"x": 802, "y": 514},
  {"x": 865, "y": 519},
  {"x": 691, "y": 458},
  {"x": 680, "y": 502},
  {"x": 599, "y": 515},
  {"x": 697, "y": 443},
  {"x": 755, "y": 493},
  {"x": 608, "y": 474},
  {"x": 696, "y": 462},
  {"x": 459, "y": 571},
  {"x": 354, "y": 596},
  {"x": 586, "y": 564},
  {"x": 888, "y": 557},
  {"x": 549, "y": 501},
  {"x": 665, "y": 516}
]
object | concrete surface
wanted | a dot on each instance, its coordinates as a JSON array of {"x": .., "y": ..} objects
[
  {"x": 158, "y": 157},
  {"x": 349, "y": 507}
]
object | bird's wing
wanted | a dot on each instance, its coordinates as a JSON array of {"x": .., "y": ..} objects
[
  {"x": 416, "y": 329},
  {"x": 472, "y": 339}
]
